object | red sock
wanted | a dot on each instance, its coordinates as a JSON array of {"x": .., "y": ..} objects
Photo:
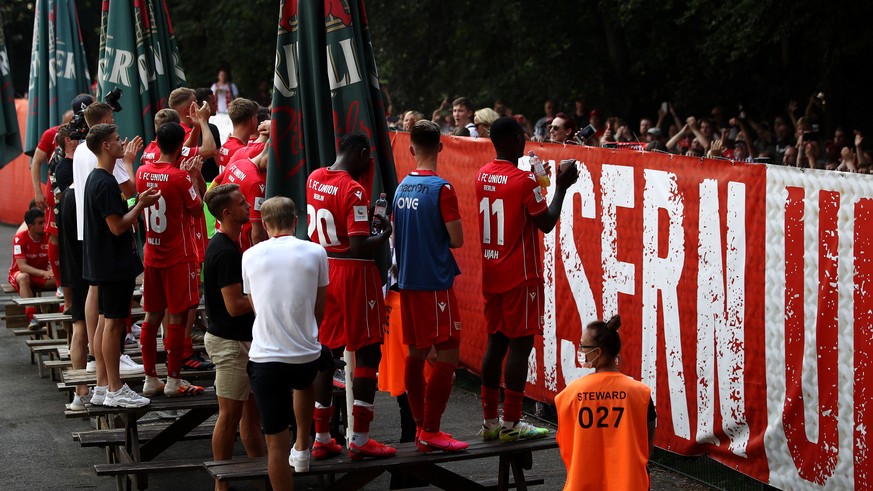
[
  {"x": 187, "y": 348},
  {"x": 29, "y": 312},
  {"x": 174, "y": 343},
  {"x": 148, "y": 338},
  {"x": 415, "y": 387},
  {"x": 322, "y": 417},
  {"x": 54, "y": 262},
  {"x": 490, "y": 402},
  {"x": 363, "y": 417},
  {"x": 512, "y": 405},
  {"x": 439, "y": 388}
]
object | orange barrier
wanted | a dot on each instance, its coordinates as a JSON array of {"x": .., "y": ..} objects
[{"x": 15, "y": 178}]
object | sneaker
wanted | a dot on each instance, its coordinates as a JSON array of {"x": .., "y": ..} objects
[
  {"x": 125, "y": 397},
  {"x": 371, "y": 449},
  {"x": 490, "y": 432},
  {"x": 429, "y": 442},
  {"x": 130, "y": 341},
  {"x": 91, "y": 367},
  {"x": 99, "y": 395},
  {"x": 322, "y": 451},
  {"x": 33, "y": 325},
  {"x": 197, "y": 362},
  {"x": 168, "y": 414},
  {"x": 152, "y": 386},
  {"x": 299, "y": 460},
  {"x": 176, "y": 387},
  {"x": 78, "y": 404},
  {"x": 136, "y": 329},
  {"x": 126, "y": 366},
  {"x": 523, "y": 431},
  {"x": 197, "y": 337}
]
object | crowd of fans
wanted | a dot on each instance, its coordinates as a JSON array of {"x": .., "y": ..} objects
[{"x": 791, "y": 138}]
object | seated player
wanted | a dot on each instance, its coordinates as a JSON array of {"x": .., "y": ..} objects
[{"x": 30, "y": 269}]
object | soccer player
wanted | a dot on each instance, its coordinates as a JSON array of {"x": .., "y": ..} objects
[
  {"x": 30, "y": 263},
  {"x": 152, "y": 151},
  {"x": 171, "y": 279},
  {"x": 427, "y": 226},
  {"x": 511, "y": 209},
  {"x": 252, "y": 184},
  {"x": 229, "y": 334},
  {"x": 243, "y": 114},
  {"x": 605, "y": 442},
  {"x": 338, "y": 217},
  {"x": 286, "y": 279},
  {"x": 110, "y": 258}
]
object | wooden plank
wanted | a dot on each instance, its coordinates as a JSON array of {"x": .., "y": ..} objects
[
  {"x": 45, "y": 342},
  {"x": 407, "y": 455},
  {"x": 101, "y": 438},
  {"x": 29, "y": 332},
  {"x": 81, "y": 377},
  {"x": 38, "y": 301},
  {"x": 147, "y": 467},
  {"x": 182, "y": 426},
  {"x": 9, "y": 289}
]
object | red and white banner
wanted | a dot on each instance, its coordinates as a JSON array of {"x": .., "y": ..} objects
[{"x": 745, "y": 296}]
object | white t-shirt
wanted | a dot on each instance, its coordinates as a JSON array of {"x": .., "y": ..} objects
[
  {"x": 84, "y": 161},
  {"x": 221, "y": 95},
  {"x": 283, "y": 275}
]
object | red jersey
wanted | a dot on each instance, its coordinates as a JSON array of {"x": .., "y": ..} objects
[
  {"x": 152, "y": 152},
  {"x": 250, "y": 151},
  {"x": 337, "y": 208},
  {"x": 169, "y": 238},
  {"x": 34, "y": 253},
  {"x": 47, "y": 141},
  {"x": 252, "y": 185},
  {"x": 227, "y": 150},
  {"x": 508, "y": 197}
]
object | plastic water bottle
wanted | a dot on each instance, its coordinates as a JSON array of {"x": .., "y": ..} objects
[
  {"x": 380, "y": 209},
  {"x": 536, "y": 165}
]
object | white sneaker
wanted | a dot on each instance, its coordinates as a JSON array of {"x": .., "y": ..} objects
[
  {"x": 136, "y": 329},
  {"x": 125, "y": 397},
  {"x": 78, "y": 404},
  {"x": 126, "y": 366},
  {"x": 130, "y": 340},
  {"x": 152, "y": 386},
  {"x": 91, "y": 367},
  {"x": 99, "y": 396},
  {"x": 299, "y": 460},
  {"x": 59, "y": 292}
]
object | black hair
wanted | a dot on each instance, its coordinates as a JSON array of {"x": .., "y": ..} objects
[
  {"x": 202, "y": 94},
  {"x": 32, "y": 214},
  {"x": 504, "y": 129},
  {"x": 353, "y": 142},
  {"x": 605, "y": 335},
  {"x": 170, "y": 137}
]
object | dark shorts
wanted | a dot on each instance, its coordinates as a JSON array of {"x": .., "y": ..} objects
[
  {"x": 113, "y": 298},
  {"x": 273, "y": 385},
  {"x": 78, "y": 294}
]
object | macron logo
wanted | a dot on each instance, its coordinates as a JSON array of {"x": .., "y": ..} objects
[
  {"x": 359, "y": 194},
  {"x": 372, "y": 304},
  {"x": 442, "y": 306}
]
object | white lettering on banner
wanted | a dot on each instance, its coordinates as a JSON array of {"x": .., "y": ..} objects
[
  {"x": 69, "y": 67},
  {"x": 617, "y": 185},
  {"x": 662, "y": 274},
  {"x": 352, "y": 73},
  {"x": 286, "y": 85},
  {"x": 122, "y": 61},
  {"x": 721, "y": 317}
]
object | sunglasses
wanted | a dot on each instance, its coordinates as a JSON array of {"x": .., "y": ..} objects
[
  {"x": 555, "y": 128},
  {"x": 588, "y": 346}
]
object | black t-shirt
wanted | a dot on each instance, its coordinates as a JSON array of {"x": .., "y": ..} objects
[
  {"x": 210, "y": 166},
  {"x": 106, "y": 256},
  {"x": 69, "y": 246},
  {"x": 222, "y": 267}
]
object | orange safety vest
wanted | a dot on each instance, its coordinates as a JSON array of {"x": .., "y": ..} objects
[{"x": 603, "y": 432}]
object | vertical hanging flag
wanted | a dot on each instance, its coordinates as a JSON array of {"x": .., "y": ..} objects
[
  {"x": 139, "y": 55},
  {"x": 10, "y": 137},
  {"x": 326, "y": 85},
  {"x": 58, "y": 68}
]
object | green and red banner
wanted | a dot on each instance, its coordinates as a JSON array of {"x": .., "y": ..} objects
[
  {"x": 10, "y": 137},
  {"x": 139, "y": 55},
  {"x": 325, "y": 86},
  {"x": 58, "y": 68}
]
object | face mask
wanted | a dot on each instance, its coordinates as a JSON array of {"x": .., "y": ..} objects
[{"x": 584, "y": 356}]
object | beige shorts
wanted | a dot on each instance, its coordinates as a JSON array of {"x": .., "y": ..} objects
[{"x": 230, "y": 358}]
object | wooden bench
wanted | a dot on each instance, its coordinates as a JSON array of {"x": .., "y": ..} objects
[
  {"x": 9, "y": 289},
  {"x": 34, "y": 333},
  {"x": 42, "y": 348},
  {"x": 81, "y": 377},
  {"x": 513, "y": 458},
  {"x": 111, "y": 438}
]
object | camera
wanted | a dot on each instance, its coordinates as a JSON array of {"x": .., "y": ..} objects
[
  {"x": 112, "y": 99},
  {"x": 78, "y": 126}
]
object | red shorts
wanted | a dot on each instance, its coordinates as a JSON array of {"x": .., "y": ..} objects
[
  {"x": 36, "y": 282},
  {"x": 175, "y": 288},
  {"x": 355, "y": 310},
  {"x": 517, "y": 312},
  {"x": 429, "y": 317},
  {"x": 51, "y": 227}
]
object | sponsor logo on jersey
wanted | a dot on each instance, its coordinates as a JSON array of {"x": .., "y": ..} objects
[
  {"x": 16, "y": 249},
  {"x": 192, "y": 193},
  {"x": 538, "y": 194},
  {"x": 360, "y": 212},
  {"x": 258, "y": 203}
]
